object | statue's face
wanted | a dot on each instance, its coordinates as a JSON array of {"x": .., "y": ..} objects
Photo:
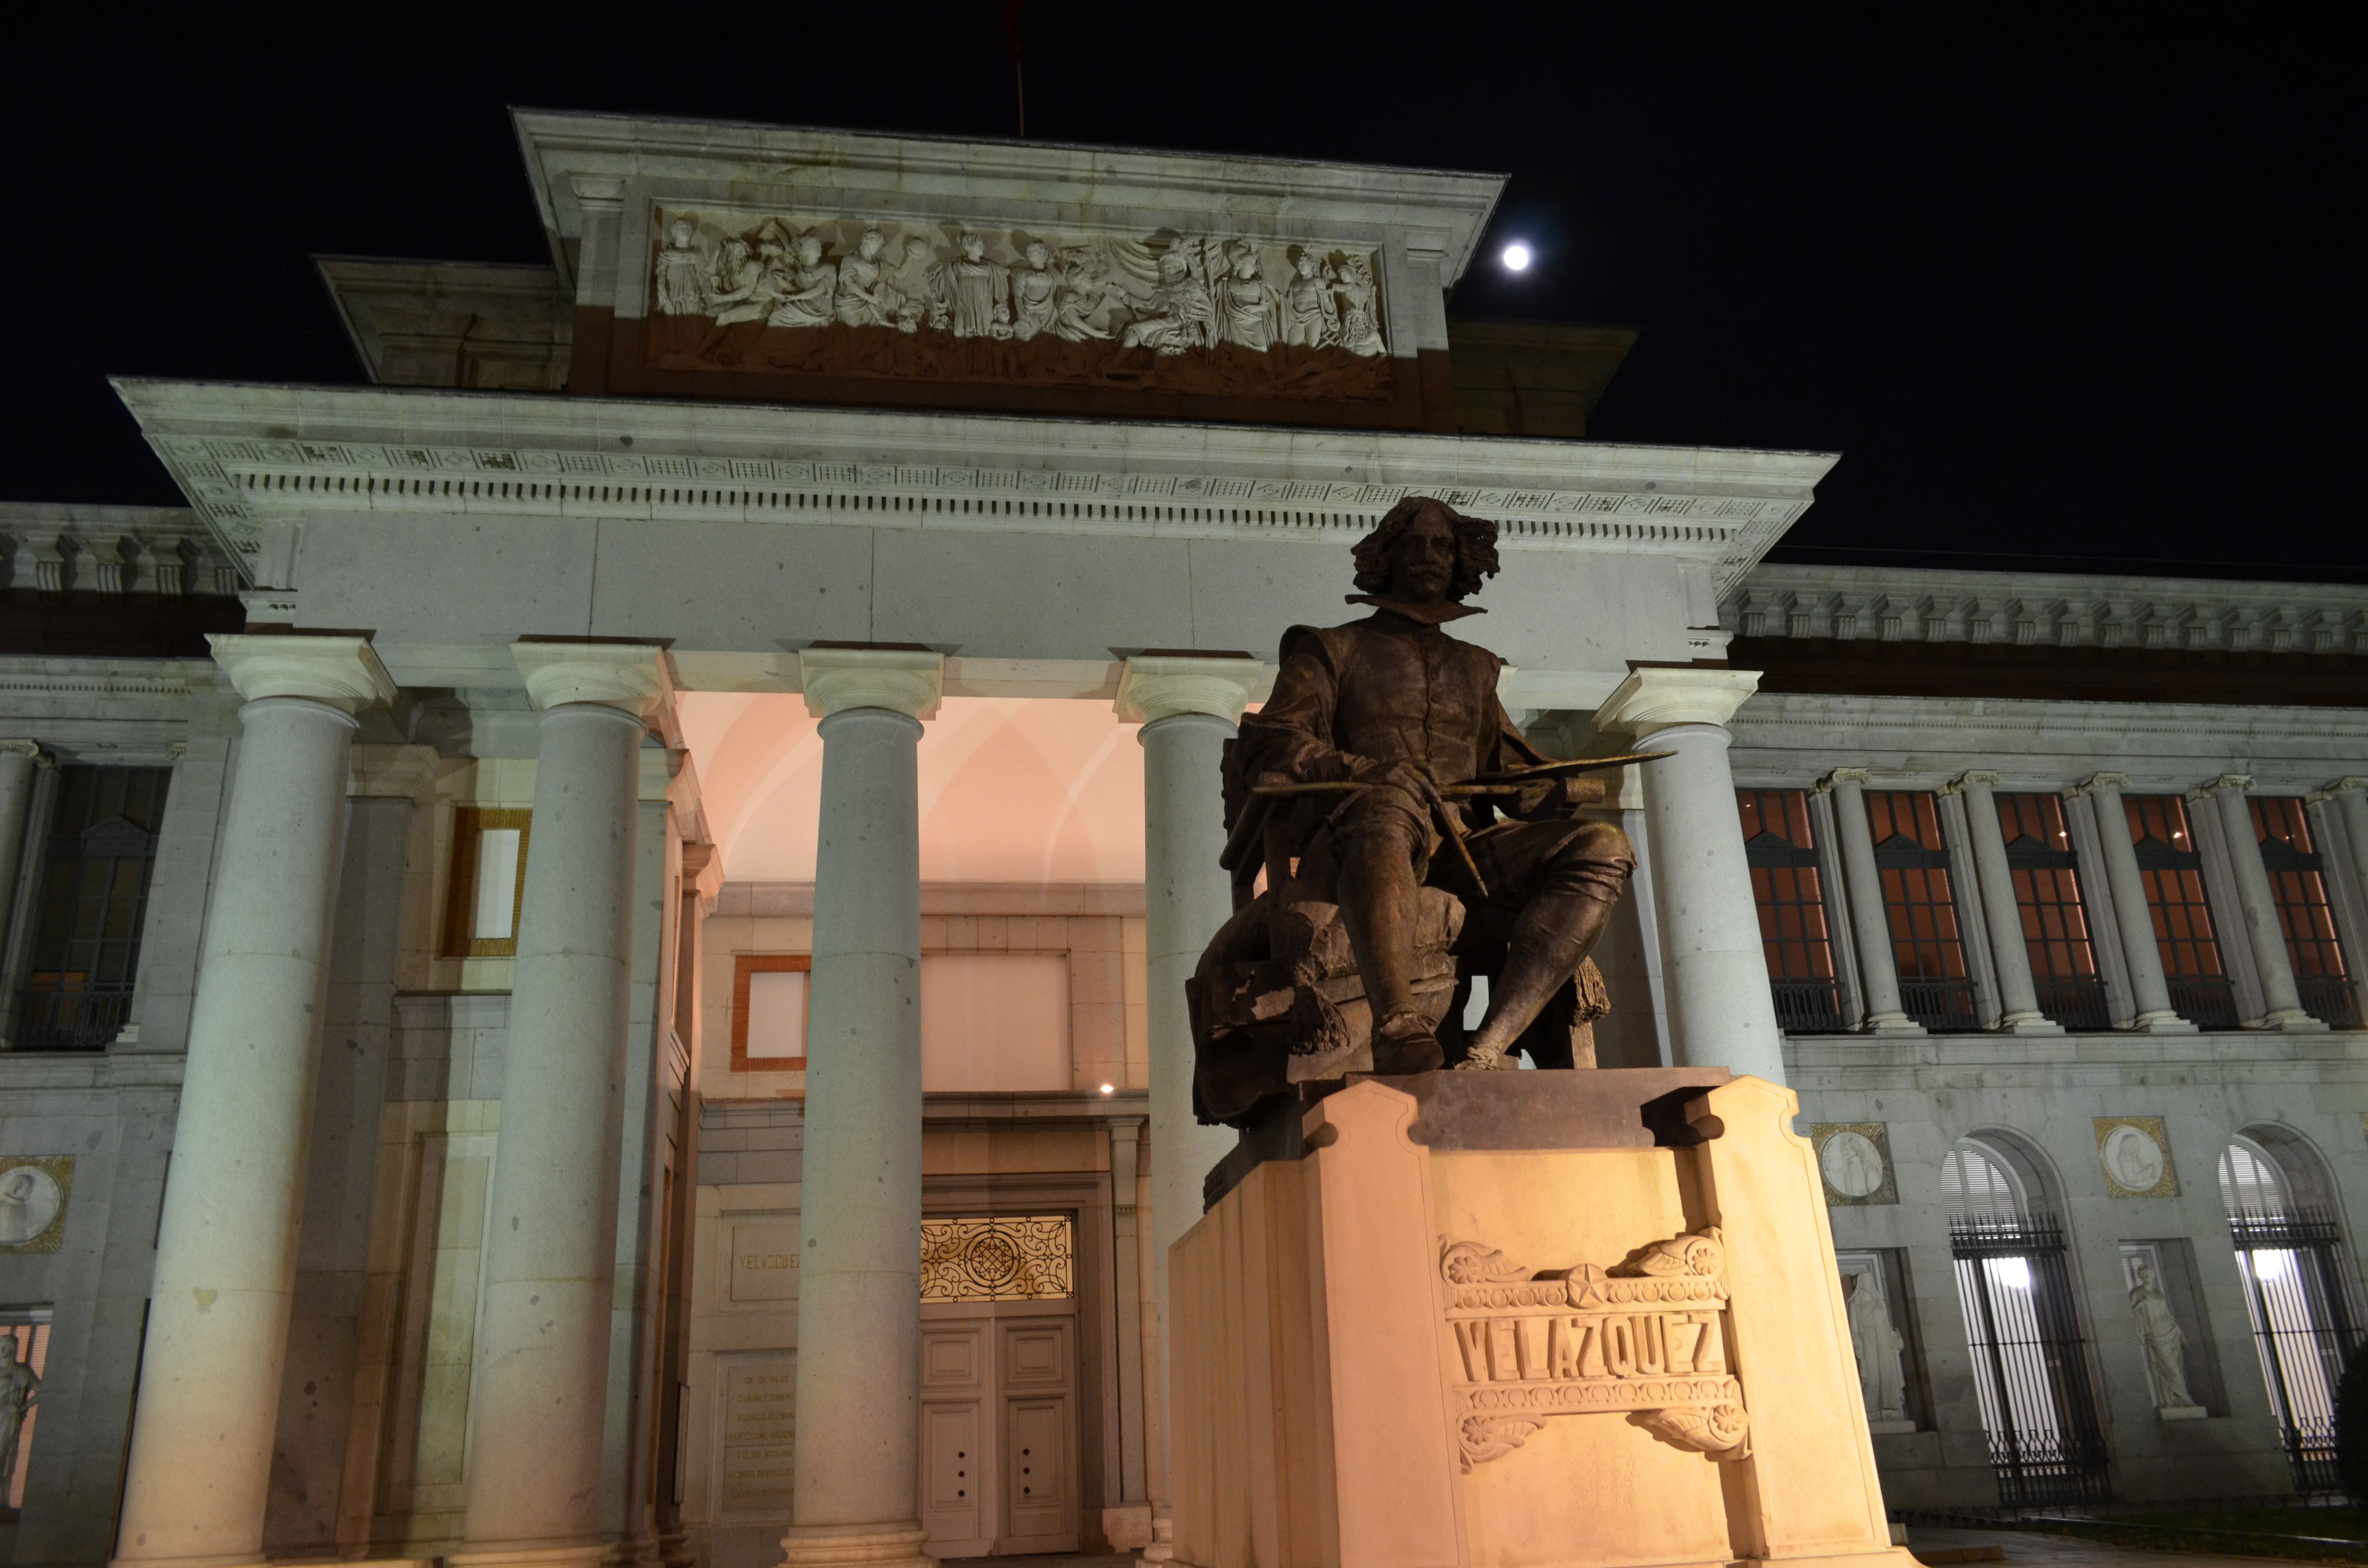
[
  {"x": 1307, "y": 267},
  {"x": 1038, "y": 255},
  {"x": 1422, "y": 562},
  {"x": 809, "y": 251},
  {"x": 869, "y": 245},
  {"x": 1850, "y": 1286},
  {"x": 973, "y": 248},
  {"x": 682, "y": 231}
]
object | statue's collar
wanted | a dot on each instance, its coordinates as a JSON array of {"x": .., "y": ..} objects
[{"x": 1421, "y": 615}]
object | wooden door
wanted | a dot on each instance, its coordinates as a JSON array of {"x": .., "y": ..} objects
[
  {"x": 957, "y": 1426},
  {"x": 1036, "y": 1379}
]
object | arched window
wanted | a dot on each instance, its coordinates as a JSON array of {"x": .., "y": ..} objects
[
  {"x": 2287, "y": 1255},
  {"x": 2030, "y": 1372}
]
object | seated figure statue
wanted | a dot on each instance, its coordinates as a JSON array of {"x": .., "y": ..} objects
[{"x": 1369, "y": 790}]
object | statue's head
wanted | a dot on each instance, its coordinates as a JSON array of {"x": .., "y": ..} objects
[
  {"x": 682, "y": 233},
  {"x": 1425, "y": 550},
  {"x": 1850, "y": 1283},
  {"x": 809, "y": 250},
  {"x": 1306, "y": 263},
  {"x": 1038, "y": 254},
  {"x": 871, "y": 244},
  {"x": 973, "y": 248}
]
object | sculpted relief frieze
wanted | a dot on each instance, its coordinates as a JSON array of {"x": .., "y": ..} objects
[
  {"x": 1164, "y": 311},
  {"x": 1646, "y": 1337}
]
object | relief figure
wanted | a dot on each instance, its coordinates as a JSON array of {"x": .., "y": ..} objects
[
  {"x": 682, "y": 272},
  {"x": 1311, "y": 316},
  {"x": 1251, "y": 311},
  {"x": 808, "y": 299},
  {"x": 1178, "y": 316},
  {"x": 866, "y": 297},
  {"x": 1358, "y": 331},
  {"x": 977, "y": 292},
  {"x": 1033, "y": 290}
]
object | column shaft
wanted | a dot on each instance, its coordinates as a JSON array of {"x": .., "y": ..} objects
[
  {"x": 2282, "y": 1000},
  {"x": 2352, "y": 801},
  {"x": 18, "y": 760},
  {"x": 539, "y": 1393},
  {"x": 2018, "y": 997},
  {"x": 859, "y": 1227},
  {"x": 2132, "y": 912},
  {"x": 1878, "y": 961},
  {"x": 200, "y": 1464}
]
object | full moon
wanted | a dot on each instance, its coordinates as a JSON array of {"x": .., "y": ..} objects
[{"x": 1516, "y": 258}]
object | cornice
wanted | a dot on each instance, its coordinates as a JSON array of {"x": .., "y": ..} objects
[
  {"x": 166, "y": 551},
  {"x": 251, "y": 456}
]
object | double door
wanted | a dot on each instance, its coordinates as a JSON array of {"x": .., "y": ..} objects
[{"x": 998, "y": 1430}]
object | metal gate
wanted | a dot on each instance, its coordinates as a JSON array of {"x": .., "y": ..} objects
[
  {"x": 2302, "y": 1328},
  {"x": 2031, "y": 1369}
]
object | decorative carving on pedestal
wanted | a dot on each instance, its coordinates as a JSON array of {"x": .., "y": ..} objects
[
  {"x": 1646, "y": 1335},
  {"x": 817, "y": 294}
]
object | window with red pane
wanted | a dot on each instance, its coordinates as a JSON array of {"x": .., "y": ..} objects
[
  {"x": 2055, "y": 922},
  {"x": 1782, "y": 851},
  {"x": 2299, "y": 889},
  {"x": 1934, "y": 988},
  {"x": 2172, "y": 869}
]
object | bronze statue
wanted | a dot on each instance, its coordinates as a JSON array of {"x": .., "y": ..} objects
[{"x": 1367, "y": 790}]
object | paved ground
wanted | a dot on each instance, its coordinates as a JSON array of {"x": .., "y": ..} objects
[{"x": 2026, "y": 1549}]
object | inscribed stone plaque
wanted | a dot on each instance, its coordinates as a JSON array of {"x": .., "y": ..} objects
[
  {"x": 2136, "y": 1155},
  {"x": 760, "y": 1396},
  {"x": 33, "y": 1193},
  {"x": 1854, "y": 1159},
  {"x": 764, "y": 1260}
]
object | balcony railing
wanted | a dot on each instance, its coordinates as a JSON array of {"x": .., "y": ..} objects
[
  {"x": 2077, "y": 1002},
  {"x": 72, "y": 1018},
  {"x": 1939, "y": 1004},
  {"x": 2331, "y": 1000},
  {"x": 2208, "y": 1001},
  {"x": 1807, "y": 1007}
]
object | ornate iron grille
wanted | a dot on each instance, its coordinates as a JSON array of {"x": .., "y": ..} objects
[
  {"x": 1934, "y": 988},
  {"x": 94, "y": 898},
  {"x": 2031, "y": 1371},
  {"x": 2299, "y": 891},
  {"x": 2172, "y": 869},
  {"x": 2303, "y": 1329},
  {"x": 1779, "y": 848},
  {"x": 2054, "y": 921},
  {"x": 998, "y": 1258}
]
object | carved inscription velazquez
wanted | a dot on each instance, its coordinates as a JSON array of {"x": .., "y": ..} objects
[{"x": 1646, "y": 1335}]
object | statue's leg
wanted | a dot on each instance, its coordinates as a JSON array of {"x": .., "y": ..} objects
[
  {"x": 1381, "y": 846},
  {"x": 1572, "y": 873}
]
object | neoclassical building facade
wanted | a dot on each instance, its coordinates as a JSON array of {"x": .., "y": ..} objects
[{"x": 594, "y": 933}]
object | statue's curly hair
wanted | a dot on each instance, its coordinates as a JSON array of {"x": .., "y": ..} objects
[{"x": 1475, "y": 546}]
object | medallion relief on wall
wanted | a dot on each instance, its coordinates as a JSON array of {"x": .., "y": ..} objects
[
  {"x": 1645, "y": 1336},
  {"x": 1166, "y": 311}
]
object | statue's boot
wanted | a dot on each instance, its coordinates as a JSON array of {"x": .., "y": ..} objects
[
  {"x": 1377, "y": 890},
  {"x": 1549, "y": 940}
]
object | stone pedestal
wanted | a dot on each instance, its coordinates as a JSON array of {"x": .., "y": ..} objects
[{"x": 1570, "y": 1318}]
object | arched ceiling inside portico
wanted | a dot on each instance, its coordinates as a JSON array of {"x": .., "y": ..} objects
[{"x": 1013, "y": 789}]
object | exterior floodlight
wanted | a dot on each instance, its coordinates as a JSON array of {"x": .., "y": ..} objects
[
  {"x": 1110, "y": 1088},
  {"x": 1516, "y": 258}
]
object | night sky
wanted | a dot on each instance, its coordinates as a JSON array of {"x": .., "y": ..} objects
[{"x": 2061, "y": 290}]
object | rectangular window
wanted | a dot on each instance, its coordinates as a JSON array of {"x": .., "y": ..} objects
[
  {"x": 2055, "y": 922},
  {"x": 489, "y": 850},
  {"x": 2172, "y": 869},
  {"x": 1934, "y": 987},
  {"x": 1781, "y": 852},
  {"x": 2299, "y": 889},
  {"x": 768, "y": 1012},
  {"x": 93, "y": 901}
]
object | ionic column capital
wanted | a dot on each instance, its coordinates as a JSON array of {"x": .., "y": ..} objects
[
  {"x": 2239, "y": 782},
  {"x": 1974, "y": 777},
  {"x": 30, "y": 750},
  {"x": 1160, "y": 686},
  {"x": 1840, "y": 776},
  {"x": 2112, "y": 783},
  {"x": 910, "y": 681},
  {"x": 2339, "y": 786},
  {"x": 340, "y": 671},
  {"x": 1662, "y": 698},
  {"x": 630, "y": 676}
]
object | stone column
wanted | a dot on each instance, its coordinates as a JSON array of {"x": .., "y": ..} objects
[
  {"x": 1188, "y": 707},
  {"x": 2280, "y": 999},
  {"x": 2018, "y": 998},
  {"x": 1712, "y": 965},
  {"x": 858, "y": 1464},
  {"x": 2350, "y": 797},
  {"x": 2344, "y": 805},
  {"x": 2132, "y": 912},
  {"x": 1878, "y": 960},
  {"x": 18, "y": 761},
  {"x": 539, "y": 1393},
  {"x": 199, "y": 1472}
]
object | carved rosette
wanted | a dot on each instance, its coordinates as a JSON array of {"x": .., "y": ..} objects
[{"x": 1646, "y": 1335}]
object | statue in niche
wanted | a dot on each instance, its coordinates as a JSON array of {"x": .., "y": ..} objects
[
  {"x": 1358, "y": 331},
  {"x": 1311, "y": 314},
  {"x": 1250, "y": 312},
  {"x": 18, "y": 1391},
  {"x": 1034, "y": 289},
  {"x": 808, "y": 297},
  {"x": 1882, "y": 1380},
  {"x": 1178, "y": 316},
  {"x": 866, "y": 297},
  {"x": 977, "y": 292},
  {"x": 682, "y": 272},
  {"x": 2165, "y": 1341},
  {"x": 1412, "y": 840}
]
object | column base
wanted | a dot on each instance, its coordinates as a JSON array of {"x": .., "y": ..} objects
[
  {"x": 585, "y": 1554},
  {"x": 2294, "y": 1020},
  {"x": 2162, "y": 1023},
  {"x": 856, "y": 1546},
  {"x": 1894, "y": 1023},
  {"x": 2029, "y": 1023},
  {"x": 1163, "y": 1538}
]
